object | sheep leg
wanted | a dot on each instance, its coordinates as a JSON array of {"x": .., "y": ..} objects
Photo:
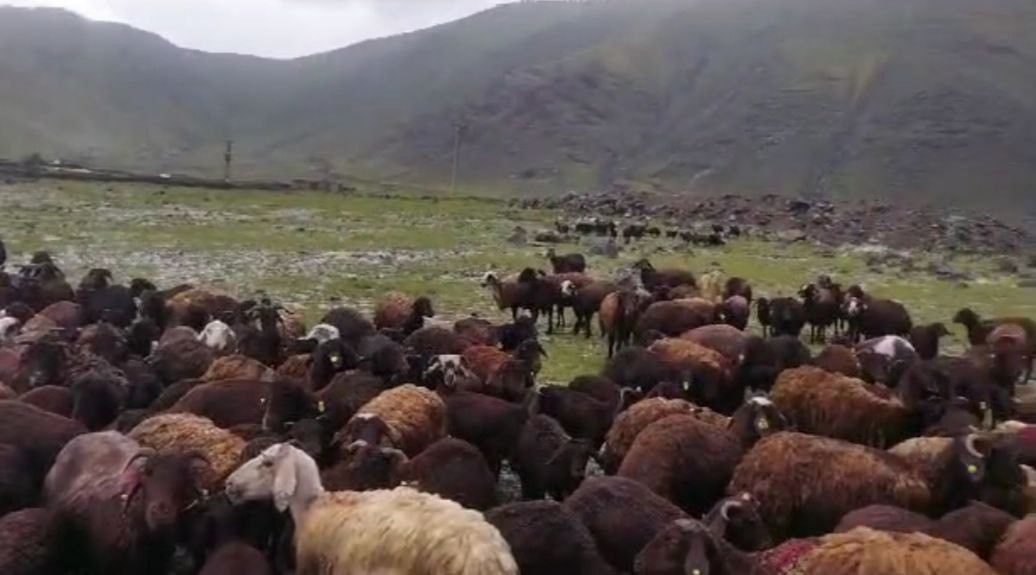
[
  {"x": 589, "y": 328},
  {"x": 550, "y": 320}
]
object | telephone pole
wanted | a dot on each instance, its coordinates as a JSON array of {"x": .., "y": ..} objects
[
  {"x": 228, "y": 157},
  {"x": 458, "y": 133}
]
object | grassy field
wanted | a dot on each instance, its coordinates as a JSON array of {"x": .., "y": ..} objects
[{"x": 305, "y": 248}]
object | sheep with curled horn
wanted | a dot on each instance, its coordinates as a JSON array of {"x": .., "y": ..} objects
[{"x": 343, "y": 533}]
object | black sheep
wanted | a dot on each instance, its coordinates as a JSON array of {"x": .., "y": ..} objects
[
  {"x": 566, "y": 263},
  {"x": 491, "y": 424},
  {"x": 637, "y": 368},
  {"x": 547, "y": 539},
  {"x": 787, "y": 316},
  {"x": 547, "y": 460}
]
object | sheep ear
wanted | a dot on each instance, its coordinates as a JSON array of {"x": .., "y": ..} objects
[{"x": 285, "y": 481}]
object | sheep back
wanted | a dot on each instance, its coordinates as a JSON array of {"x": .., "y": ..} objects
[
  {"x": 392, "y": 310},
  {"x": 1016, "y": 552},
  {"x": 631, "y": 422},
  {"x": 547, "y": 539},
  {"x": 683, "y": 459},
  {"x": 187, "y": 433},
  {"x": 831, "y": 405},
  {"x": 804, "y": 484},
  {"x": 27, "y": 543},
  {"x": 236, "y": 367},
  {"x": 398, "y": 531},
  {"x": 866, "y": 551},
  {"x": 416, "y": 417}
]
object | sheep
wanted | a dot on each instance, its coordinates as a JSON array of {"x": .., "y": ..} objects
[
  {"x": 50, "y": 398},
  {"x": 873, "y": 318},
  {"x": 979, "y": 330},
  {"x": 241, "y": 401},
  {"x": 218, "y": 337},
  {"x": 547, "y": 539},
  {"x": 237, "y": 558},
  {"x": 401, "y": 530},
  {"x": 637, "y": 368},
  {"x": 237, "y": 367},
  {"x": 707, "y": 376},
  {"x": 396, "y": 310},
  {"x": 181, "y": 359},
  {"x": 734, "y": 311},
  {"x": 542, "y": 294},
  {"x": 1016, "y": 552},
  {"x": 508, "y": 293},
  {"x": 581, "y": 415},
  {"x": 586, "y": 301},
  {"x": 491, "y": 424},
  {"x": 9, "y": 329},
  {"x": 43, "y": 362},
  {"x": 631, "y": 422},
  {"x": 839, "y": 407},
  {"x": 477, "y": 331},
  {"x": 322, "y": 332},
  {"x": 17, "y": 488},
  {"x": 964, "y": 468},
  {"x": 781, "y": 316},
  {"x": 886, "y": 518},
  {"x": 351, "y": 325},
  {"x": 103, "y": 340},
  {"x": 977, "y": 527},
  {"x": 671, "y": 318},
  {"x": 506, "y": 376},
  {"x": 549, "y": 461},
  {"x": 622, "y": 515},
  {"x": 120, "y": 507},
  {"x": 39, "y": 436},
  {"x": 683, "y": 459},
  {"x": 29, "y": 542},
  {"x": 925, "y": 339},
  {"x": 600, "y": 388},
  {"x": 511, "y": 335},
  {"x": 329, "y": 359},
  {"x": 865, "y": 551},
  {"x": 712, "y": 285},
  {"x": 737, "y": 286},
  {"x": 188, "y": 433},
  {"x": 799, "y": 497},
  {"x": 688, "y": 546},
  {"x": 652, "y": 278},
  {"x": 838, "y": 359},
  {"x": 346, "y": 394},
  {"x": 448, "y": 373},
  {"x": 432, "y": 341},
  {"x": 821, "y": 307},
  {"x": 566, "y": 263},
  {"x": 619, "y": 316},
  {"x": 412, "y": 418}
]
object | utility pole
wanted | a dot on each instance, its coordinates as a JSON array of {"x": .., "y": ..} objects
[
  {"x": 458, "y": 132},
  {"x": 228, "y": 157}
]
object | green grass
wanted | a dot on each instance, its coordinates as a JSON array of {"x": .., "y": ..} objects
[{"x": 304, "y": 248}]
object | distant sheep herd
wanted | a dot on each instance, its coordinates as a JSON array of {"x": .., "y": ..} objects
[{"x": 152, "y": 429}]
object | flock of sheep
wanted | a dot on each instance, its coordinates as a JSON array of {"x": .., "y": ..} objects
[{"x": 177, "y": 430}]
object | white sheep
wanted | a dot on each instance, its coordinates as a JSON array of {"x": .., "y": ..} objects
[
  {"x": 383, "y": 531},
  {"x": 218, "y": 337}
]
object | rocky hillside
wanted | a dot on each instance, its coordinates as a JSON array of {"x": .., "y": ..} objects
[{"x": 926, "y": 100}]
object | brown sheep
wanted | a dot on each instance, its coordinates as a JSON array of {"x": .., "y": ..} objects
[
  {"x": 346, "y": 394},
  {"x": 186, "y": 433},
  {"x": 397, "y": 310},
  {"x": 508, "y": 293},
  {"x": 734, "y": 311},
  {"x": 925, "y": 339},
  {"x": 619, "y": 315},
  {"x": 237, "y": 367},
  {"x": 979, "y": 330},
  {"x": 50, "y": 398},
  {"x": 586, "y": 301},
  {"x": 653, "y": 279},
  {"x": 838, "y": 359},
  {"x": 476, "y": 331},
  {"x": 864, "y": 551},
  {"x": 711, "y": 376},
  {"x": 547, "y": 539},
  {"x": 839, "y": 407},
  {"x": 412, "y": 419},
  {"x": 631, "y": 422},
  {"x": 799, "y": 497},
  {"x": 622, "y": 515},
  {"x": 29, "y": 543},
  {"x": 434, "y": 340},
  {"x": 181, "y": 359},
  {"x": 491, "y": 424},
  {"x": 66, "y": 315},
  {"x": 296, "y": 368},
  {"x": 672, "y": 318},
  {"x": 683, "y": 459},
  {"x": 1016, "y": 552},
  {"x": 231, "y": 402},
  {"x": 723, "y": 338}
]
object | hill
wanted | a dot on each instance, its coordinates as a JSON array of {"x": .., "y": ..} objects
[{"x": 927, "y": 100}]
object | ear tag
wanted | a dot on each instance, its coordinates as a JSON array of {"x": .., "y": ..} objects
[
  {"x": 972, "y": 469},
  {"x": 321, "y": 407}
]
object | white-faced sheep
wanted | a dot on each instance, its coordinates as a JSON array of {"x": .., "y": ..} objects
[
  {"x": 408, "y": 417},
  {"x": 344, "y": 533},
  {"x": 218, "y": 337}
]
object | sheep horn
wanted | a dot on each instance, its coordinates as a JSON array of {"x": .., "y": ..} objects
[
  {"x": 724, "y": 510},
  {"x": 969, "y": 444}
]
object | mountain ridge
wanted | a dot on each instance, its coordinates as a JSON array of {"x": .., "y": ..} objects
[{"x": 923, "y": 99}]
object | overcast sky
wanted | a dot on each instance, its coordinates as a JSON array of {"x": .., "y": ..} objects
[{"x": 277, "y": 28}]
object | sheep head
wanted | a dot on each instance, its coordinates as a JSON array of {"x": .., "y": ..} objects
[
  {"x": 169, "y": 485},
  {"x": 281, "y": 472}
]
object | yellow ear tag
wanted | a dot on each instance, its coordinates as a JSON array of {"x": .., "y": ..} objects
[
  {"x": 972, "y": 469},
  {"x": 762, "y": 423},
  {"x": 696, "y": 572},
  {"x": 321, "y": 407}
]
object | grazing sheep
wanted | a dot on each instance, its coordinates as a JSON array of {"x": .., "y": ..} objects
[
  {"x": 1016, "y": 552},
  {"x": 586, "y": 301},
  {"x": 864, "y": 551},
  {"x": 653, "y": 279},
  {"x": 491, "y": 424},
  {"x": 547, "y": 539},
  {"x": 925, "y": 339},
  {"x": 838, "y": 359},
  {"x": 821, "y": 307},
  {"x": 547, "y": 460},
  {"x": 218, "y": 337},
  {"x": 683, "y": 459},
  {"x": 186, "y": 433},
  {"x": 505, "y": 375},
  {"x": 831, "y": 405},
  {"x": 28, "y": 541},
  {"x": 979, "y": 330},
  {"x": 401, "y": 530},
  {"x": 566, "y": 263},
  {"x": 542, "y": 295},
  {"x": 412, "y": 419},
  {"x": 631, "y": 422},
  {"x": 710, "y": 377},
  {"x": 798, "y": 497},
  {"x": 622, "y": 515}
]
